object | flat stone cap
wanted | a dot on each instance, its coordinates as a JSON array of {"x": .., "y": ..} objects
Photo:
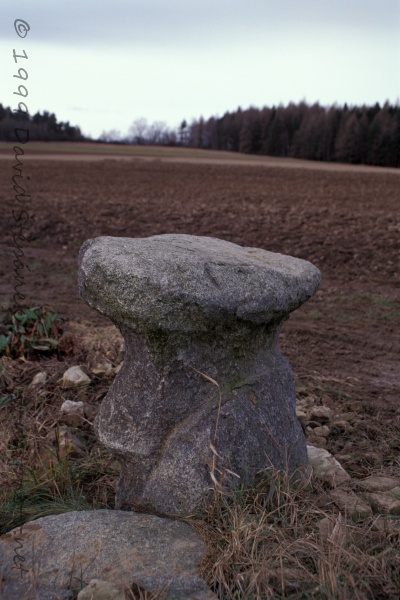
[{"x": 178, "y": 282}]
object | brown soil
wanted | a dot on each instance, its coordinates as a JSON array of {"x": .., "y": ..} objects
[{"x": 344, "y": 344}]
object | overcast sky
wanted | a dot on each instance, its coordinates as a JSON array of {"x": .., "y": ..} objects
[{"x": 101, "y": 65}]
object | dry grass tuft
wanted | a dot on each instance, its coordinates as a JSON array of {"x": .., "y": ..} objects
[{"x": 274, "y": 542}]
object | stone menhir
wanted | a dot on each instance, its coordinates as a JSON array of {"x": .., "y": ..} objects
[{"x": 204, "y": 394}]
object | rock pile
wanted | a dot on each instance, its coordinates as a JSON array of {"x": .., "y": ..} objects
[{"x": 357, "y": 498}]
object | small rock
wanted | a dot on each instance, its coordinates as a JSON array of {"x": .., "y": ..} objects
[
  {"x": 342, "y": 458},
  {"x": 322, "y": 414},
  {"x": 376, "y": 483},
  {"x": 349, "y": 446},
  {"x": 396, "y": 492},
  {"x": 373, "y": 458},
  {"x": 355, "y": 406},
  {"x": 71, "y": 445},
  {"x": 316, "y": 440},
  {"x": 384, "y": 503},
  {"x": 322, "y": 431},
  {"x": 326, "y": 467},
  {"x": 101, "y": 590},
  {"x": 39, "y": 378},
  {"x": 301, "y": 404},
  {"x": 351, "y": 504},
  {"x": 313, "y": 424},
  {"x": 74, "y": 377},
  {"x": 73, "y": 412},
  {"x": 68, "y": 443},
  {"x": 104, "y": 368},
  {"x": 348, "y": 417},
  {"x": 302, "y": 417},
  {"x": 339, "y": 427}
]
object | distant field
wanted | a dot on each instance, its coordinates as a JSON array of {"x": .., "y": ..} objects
[
  {"x": 115, "y": 149},
  {"x": 94, "y": 152}
]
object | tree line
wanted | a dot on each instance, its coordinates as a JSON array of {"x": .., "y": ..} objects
[
  {"x": 42, "y": 126},
  {"x": 359, "y": 135}
]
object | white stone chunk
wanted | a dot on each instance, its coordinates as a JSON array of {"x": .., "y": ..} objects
[
  {"x": 326, "y": 467},
  {"x": 74, "y": 377}
]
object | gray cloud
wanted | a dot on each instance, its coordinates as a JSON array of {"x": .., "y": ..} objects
[{"x": 181, "y": 22}]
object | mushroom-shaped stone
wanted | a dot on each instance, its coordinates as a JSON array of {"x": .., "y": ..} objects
[{"x": 204, "y": 390}]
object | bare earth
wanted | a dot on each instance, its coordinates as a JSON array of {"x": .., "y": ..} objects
[{"x": 344, "y": 344}]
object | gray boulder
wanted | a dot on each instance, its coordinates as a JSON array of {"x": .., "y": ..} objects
[
  {"x": 119, "y": 547},
  {"x": 204, "y": 399}
]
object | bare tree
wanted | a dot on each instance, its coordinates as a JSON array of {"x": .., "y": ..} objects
[
  {"x": 138, "y": 131},
  {"x": 156, "y": 132},
  {"x": 114, "y": 135}
]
